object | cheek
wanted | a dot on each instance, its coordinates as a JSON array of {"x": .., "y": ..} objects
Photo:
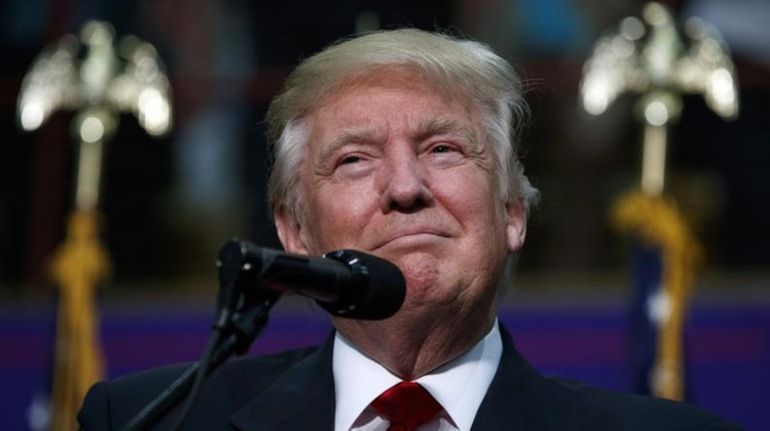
[
  {"x": 476, "y": 204},
  {"x": 473, "y": 197},
  {"x": 341, "y": 213}
]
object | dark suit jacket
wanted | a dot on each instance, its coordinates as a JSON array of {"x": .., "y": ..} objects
[{"x": 295, "y": 391}]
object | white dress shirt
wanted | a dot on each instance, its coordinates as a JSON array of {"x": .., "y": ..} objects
[{"x": 459, "y": 386}]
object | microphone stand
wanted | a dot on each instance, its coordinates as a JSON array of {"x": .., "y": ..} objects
[{"x": 242, "y": 315}]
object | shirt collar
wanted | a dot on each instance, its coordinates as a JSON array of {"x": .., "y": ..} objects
[{"x": 459, "y": 385}]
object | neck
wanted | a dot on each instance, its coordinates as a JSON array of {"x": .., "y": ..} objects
[{"x": 412, "y": 344}]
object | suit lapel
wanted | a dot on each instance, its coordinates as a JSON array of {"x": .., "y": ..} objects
[
  {"x": 302, "y": 398},
  {"x": 519, "y": 398}
]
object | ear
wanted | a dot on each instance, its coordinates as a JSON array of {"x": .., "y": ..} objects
[
  {"x": 289, "y": 231},
  {"x": 516, "y": 227}
]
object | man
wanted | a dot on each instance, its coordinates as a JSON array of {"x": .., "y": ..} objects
[{"x": 401, "y": 144}]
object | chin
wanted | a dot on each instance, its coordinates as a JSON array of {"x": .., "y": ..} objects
[
  {"x": 422, "y": 273},
  {"x": 421, "y": 263}
]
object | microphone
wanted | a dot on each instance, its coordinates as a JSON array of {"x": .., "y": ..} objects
[{"x": 346, "y": 283}]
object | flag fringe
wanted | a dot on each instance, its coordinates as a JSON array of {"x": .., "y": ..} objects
[
  {"x": 78, "y": 265},
  {"x": 657, "y": 221}
]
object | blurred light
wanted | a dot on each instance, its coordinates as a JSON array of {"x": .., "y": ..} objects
[
  {"x": 622, "y": 47},
  {"x": 595, "y": 97},
  {"x": 31, "y": 116},
  {"x": 147, "y": 69},
  {"x": 97, "y": 32},
  {"x": 711, "y": 50},
  {"x": 91, "y": 129},
  {"x": 656, "y": 113},
  {"x": 95, "y": 73},
  {"x": 659, "y": 306},
  {"x": 722, "y": 85},
  {"x": 632, "y": 28},
  {"x": 154, "y": 111},
  {"x": 722, "y": 89},
  {"x": 655, "y": 14}
]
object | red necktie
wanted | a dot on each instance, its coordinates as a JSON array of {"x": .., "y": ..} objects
[{"x": 407, "y": 406}]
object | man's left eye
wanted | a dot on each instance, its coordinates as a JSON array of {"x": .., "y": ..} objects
[{"x": 441, "y": 149}]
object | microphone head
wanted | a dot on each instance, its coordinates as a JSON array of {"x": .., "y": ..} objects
[{"x": 377, "y": 291}]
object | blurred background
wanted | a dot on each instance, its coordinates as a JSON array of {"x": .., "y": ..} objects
[{"x": 168, "y": 203}]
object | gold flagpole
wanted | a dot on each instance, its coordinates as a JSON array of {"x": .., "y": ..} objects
[
  {"x": 104, "y": 83},
  {"x": 648, "y": 56}
]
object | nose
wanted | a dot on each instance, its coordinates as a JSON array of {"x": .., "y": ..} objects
[{"x": 404, "y": 182}]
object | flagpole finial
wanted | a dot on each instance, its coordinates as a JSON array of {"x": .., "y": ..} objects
[{"x": 659, "y": 60}]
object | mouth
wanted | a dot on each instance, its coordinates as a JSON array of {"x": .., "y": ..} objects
[{"x": 413, "y": 237}]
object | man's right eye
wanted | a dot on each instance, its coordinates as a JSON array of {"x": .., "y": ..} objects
[{"x": 347, "y": 160}]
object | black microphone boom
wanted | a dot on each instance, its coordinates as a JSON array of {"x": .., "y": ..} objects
[{"x": 345, "y": 283}]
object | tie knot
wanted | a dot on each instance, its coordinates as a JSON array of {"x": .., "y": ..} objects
[{"x": 407, "y": 406}]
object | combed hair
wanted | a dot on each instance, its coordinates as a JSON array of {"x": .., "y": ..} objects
[{"x": 462, "y": 67}]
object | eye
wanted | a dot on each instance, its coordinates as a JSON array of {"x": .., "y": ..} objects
[
  {"x": 444, "y": 153},
  {"x": 349, "y": 160},
  {"x": 353, "y": 164},
  {"x": 441, "y": 148},
  {"x": 445, "y": 149}
]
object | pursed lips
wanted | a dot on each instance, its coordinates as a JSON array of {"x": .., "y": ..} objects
[{"x": 404, "y": 233}]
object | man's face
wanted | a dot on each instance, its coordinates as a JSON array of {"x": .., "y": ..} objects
[{"x": 397, "y": 169}]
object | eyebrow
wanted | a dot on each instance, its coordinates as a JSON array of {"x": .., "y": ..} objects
[
  {"x": 445, "y": 126},
  {"x": 347, "y": 137}
]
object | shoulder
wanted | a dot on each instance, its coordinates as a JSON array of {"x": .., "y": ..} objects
[
  {"x": 110, "y": 405},
  {"x": 597, "y": 409},
  {"x": 521, "y": 393}
]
